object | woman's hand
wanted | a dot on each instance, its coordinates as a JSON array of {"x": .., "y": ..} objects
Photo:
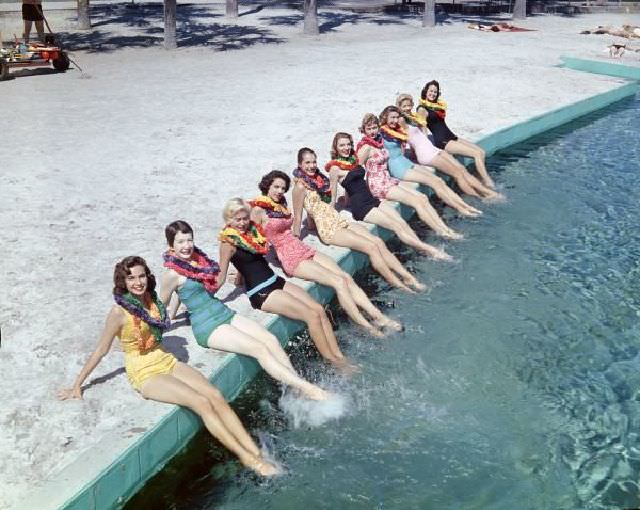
[{"x": 70, "y": 393}]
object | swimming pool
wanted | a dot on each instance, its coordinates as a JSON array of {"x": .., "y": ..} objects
[{"x": 516, "y": 384}]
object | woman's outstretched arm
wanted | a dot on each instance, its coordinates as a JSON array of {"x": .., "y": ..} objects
[
  {"x": 298, "y": 204},
  {"x": 112, "y": 326},
  {"x": 168, "y": 286},
  {"x": 226, "y": 252}
]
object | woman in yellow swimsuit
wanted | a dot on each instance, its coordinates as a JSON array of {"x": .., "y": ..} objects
[
  {"x": 139, "y": 318},
  {"x": 312, "y": 193}
]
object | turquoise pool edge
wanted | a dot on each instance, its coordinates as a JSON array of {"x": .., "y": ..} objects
[
  {"x": 149, "y": 454},
  {"x": 599, "y": 67}
]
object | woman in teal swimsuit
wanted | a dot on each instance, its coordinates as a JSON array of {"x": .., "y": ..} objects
[{"x": 193, "y": 276}]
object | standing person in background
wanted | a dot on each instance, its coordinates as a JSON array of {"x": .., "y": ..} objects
[{"x": 32, "y": 11}]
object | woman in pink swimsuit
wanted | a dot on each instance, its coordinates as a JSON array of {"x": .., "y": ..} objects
[
  {"x": 298, "y": 259},
  {"x": 373, "y": 156},
  {"x": 424, "y": 150}
]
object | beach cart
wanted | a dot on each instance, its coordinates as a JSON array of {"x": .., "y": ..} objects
[{"x": 33, "y": 55}]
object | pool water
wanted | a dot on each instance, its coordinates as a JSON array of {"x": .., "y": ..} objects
[{"x": 516, "y": 384}]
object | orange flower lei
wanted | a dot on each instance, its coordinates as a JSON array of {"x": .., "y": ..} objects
[
  {"x": 150, "y": 342},
  {"x": 398, "y": 135}
]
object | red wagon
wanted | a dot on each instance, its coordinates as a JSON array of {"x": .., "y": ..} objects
[{"x": 34, "y": 55}]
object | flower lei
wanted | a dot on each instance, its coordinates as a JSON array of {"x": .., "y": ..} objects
[
  {"x": 317, "y": 182},
  {"x": 439, "y": 107},
  {"x": 376, "y": 142},
  {"x": 347, "y": 164},
  {"x": 156, "y": 318},
  {"x": 253, "y": 240},
  {"x": 414, "y": 119},
  {"x": 200, "y": 268},
  {"x": 398, "y": 135},
  {"x": 271, "y": 207}
]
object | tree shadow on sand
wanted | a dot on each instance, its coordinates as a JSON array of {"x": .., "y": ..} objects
[
  {"x": 329, "y": 21},
  {"x": 141, "y": 25}
]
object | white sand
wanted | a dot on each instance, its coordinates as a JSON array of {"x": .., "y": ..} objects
[{"x": 92, "y": 170}]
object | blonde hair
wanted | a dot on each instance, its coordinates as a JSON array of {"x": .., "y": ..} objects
[
  {"x": 232, "y": 206},
  {"x": 403, "y": 97},
  {"x": 369, "y": 118}
]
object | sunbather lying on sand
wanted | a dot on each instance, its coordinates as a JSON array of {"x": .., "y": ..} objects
[
  {"x": 626, "y": 31},
  {"x": 498, "y": 27}
]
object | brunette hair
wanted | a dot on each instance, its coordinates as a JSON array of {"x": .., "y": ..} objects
[
  {"x": 334, "y": 144},
  {"x": 303, "y": 151},
  {"x": 172, "y": 229},
  {"x": 403, "y": 97},
  {"x": 267, "y": 180},
  {"x": 423, "y": 94},
  {"x": 385, "y": 113},
  {"x": 369, "y": 118},
  {"x": 123, "y": 269},
  {"x": 232, "y": 206}
]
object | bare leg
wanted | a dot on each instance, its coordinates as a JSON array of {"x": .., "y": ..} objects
[
  {"x": 446, "y": 163},
  {"x": 40, "y": 30},
  {"x": 263, "y": 335},
  {"x": 387, "y": 217},
  {"x": 349, "y": 238},
  {"x": 229, "y": 418},
  {"x": 27, "y": 31},
  {"x": 170, "y": 389},
  {"x": 471, "y": 150},
  {"x": 315, "y": 272},
  {"x": 389, "y": 258},
  {"x": 424, "y": 209},
  {"x": 423, "y": 175},
  {"x": 285, "y": 303},
  {"x": 231, "y": 339},
  {"x": 357, "y": 293}
]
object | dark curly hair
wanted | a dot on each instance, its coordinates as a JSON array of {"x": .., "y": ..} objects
[
  {"x": 423, "y": 94},
  {"x": 334, "y": 144},
  {"x": 385, "y": 113},
  {"x": 303, "y": 151},
  {"x": 123, "y": 269},
  {"x": 267, "y": 180},
  {"x": 173, "y": 228}
]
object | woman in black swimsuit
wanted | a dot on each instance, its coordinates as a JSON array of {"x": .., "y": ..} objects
[
  {"x": 443, "y": 138},
  {"x": 244, "y": 245},
  {"x": 344, "y": 168}
]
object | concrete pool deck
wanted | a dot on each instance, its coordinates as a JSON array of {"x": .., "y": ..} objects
[{"x": 104, "y": 482}]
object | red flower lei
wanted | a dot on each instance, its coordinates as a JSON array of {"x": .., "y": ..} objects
[
  {"x": 347, "y": 164},
  {"x": 199, "y": 268},
  {"x": 376, "y": 143}
]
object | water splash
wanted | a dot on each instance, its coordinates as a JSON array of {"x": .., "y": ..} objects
[{"x": 312, "y": 413}]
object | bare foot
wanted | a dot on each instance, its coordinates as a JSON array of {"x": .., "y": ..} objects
[
  {"x": 386, "y": 322},
  {"x": 375, "y": 332},
  {"x": 470, "y": 214},
  {"x": 451, "y": 234},
  {"x": 345, "y": 367},
  {"x": 420, "y": 287},
  {"x": 494, "y": 197},
  {"x": 488, "y": 182},
  {"x": 436, "y": 254},
  {"x": 317, "y": 393},
  {"x": 261, "y": 466}
]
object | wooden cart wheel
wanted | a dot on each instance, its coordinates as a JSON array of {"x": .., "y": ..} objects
[{"x": 62, "y": 62}]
